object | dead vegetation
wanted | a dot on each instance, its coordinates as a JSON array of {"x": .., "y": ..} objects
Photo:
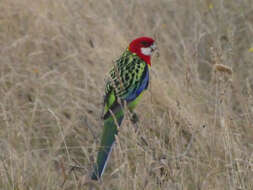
[{"x": 195, "y": 129}]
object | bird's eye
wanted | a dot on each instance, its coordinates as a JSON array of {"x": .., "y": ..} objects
[{"x": 145, "y": 43}]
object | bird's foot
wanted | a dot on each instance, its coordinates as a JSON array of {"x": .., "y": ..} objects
[{"x": 134, "y": 118}]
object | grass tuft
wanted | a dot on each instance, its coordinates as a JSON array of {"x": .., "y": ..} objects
[{"x": 195, "y": 120}]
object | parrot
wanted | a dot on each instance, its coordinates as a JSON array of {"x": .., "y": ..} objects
[{"x": 127, "y": 81}]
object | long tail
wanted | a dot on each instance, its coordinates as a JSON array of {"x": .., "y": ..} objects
[{"x": 106, "y": 145}]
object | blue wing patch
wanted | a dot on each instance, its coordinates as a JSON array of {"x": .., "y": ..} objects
[{"x": 143, "y": 86}]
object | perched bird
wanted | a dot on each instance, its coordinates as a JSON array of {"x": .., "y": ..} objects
[{"x": 127, "y": 80}]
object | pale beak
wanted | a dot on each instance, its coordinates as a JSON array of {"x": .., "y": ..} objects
[{"x": 153, "y": 47}]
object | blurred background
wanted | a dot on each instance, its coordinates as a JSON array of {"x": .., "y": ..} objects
[{"x": 195, "y": 129}]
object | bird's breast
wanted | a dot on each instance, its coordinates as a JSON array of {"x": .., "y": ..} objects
[{"x": 133, "y": 104}]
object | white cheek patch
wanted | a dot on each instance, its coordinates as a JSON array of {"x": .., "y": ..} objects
[{"x": 146, "y": 51}]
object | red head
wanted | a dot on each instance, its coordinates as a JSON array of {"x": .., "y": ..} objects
[{"x": 143, "y": 47}]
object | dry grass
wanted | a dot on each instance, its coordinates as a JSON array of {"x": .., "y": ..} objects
[{"x": 195, "y": 129}]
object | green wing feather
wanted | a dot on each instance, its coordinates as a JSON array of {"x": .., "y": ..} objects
[{"x": 124, "y": 78}]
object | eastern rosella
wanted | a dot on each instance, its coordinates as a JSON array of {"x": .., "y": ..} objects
[{"x": 128, "y": 79}]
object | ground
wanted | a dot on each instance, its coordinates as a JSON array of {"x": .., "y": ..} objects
[{"x": 195, "y": 129}]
